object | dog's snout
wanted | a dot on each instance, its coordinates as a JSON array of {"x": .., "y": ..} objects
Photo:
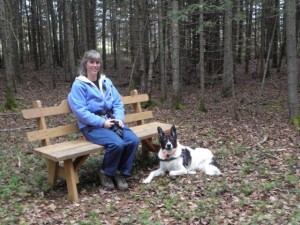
[{"x": 169, "y": 146}]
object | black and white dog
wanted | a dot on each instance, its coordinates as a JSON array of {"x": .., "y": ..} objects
[{"x": 178, "y": 159}]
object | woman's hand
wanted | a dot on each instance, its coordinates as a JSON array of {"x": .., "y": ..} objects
[
  {"x": 109, "y": 123},
  {"x": 121, "y": 124}
]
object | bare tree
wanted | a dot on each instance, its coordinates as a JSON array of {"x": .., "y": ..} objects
[
  {"x": 201, "y": 60},
  {"x": 249, "y": 12},
  {"x": 34, "y": 33},
  {"x": 175, "y": 56},
  {"x": 113, "y": 10},
  {"x": 162, "y": 52},
  {"x": 6, "y": 38},
  {"x": 291, "y": 51},
  {"x": 227, "y": 89},
  {"x": 82, "y": 28},
  {"x": 104, "y": 8},
  {"x": 70, "y": 40}
]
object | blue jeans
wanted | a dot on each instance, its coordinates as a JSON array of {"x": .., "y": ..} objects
[{"x": 119, "y": 153}]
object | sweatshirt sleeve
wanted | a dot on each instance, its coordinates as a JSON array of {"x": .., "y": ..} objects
[{"x": 78, "y": 104}]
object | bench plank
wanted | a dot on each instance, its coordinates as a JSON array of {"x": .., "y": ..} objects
[
  {"x": 52, "y": 132},
  {"x": 64, "y": 108},
  {"x": 138, "y": 116},
  {"x": 33, "y": 113},
  {"x": 134, "y": 99},
  {"x": 73, "y": 128}
]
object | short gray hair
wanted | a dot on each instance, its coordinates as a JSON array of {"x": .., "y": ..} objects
[{"x": 89, "y": 55}]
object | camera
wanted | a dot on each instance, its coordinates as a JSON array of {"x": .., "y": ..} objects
[
  {"x": 117, "y": 129},
  {"x": 107, "y": 114}
]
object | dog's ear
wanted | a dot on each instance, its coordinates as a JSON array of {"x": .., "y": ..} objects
[
  {"x": 173, "y": 131},
  {"x": 160, "y": 131}
]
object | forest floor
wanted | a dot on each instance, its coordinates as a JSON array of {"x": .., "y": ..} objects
[{"x": 256, "y": 146}]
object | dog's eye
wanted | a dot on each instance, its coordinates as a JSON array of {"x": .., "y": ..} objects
[{"x": 172, "y": 138}]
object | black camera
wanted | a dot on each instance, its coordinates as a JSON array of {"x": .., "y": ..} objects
[
  {"x": 117, "y": 129},
  {"x": 107, "y": 114}
]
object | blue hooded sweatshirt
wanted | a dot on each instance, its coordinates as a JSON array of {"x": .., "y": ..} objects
[{"x": 85, "y": 99}]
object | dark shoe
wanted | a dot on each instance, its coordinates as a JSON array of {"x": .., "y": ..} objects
[
  {"x": 106, "y": 181},
  {"x": 121, "y": 182}
]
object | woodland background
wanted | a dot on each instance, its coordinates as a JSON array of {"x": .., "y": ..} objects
[{"x": 224, "y": 72}]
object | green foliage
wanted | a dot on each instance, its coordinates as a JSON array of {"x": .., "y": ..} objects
[
  {"x": 178, "y": 106},
  {"x": 202, "y": 107},
  {"x": 296, "y": 122},
  {"x": 184, "y": 15},
  {"x": 267, "y": 186},
  {"x": 292, "y": 180},
  {"x": 239, "y": 16},
  {"x": 149, "y": 104},
  {"x": 10, "y": 102},
  {"x": 227, "y": 92}
]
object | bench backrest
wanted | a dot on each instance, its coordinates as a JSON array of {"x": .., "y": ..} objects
[{"x": 44, "y": 133}]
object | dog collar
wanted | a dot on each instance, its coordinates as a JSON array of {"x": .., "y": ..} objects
[
  {"x": 170, "y": 158},
  {"x": 185, "y": 154}
]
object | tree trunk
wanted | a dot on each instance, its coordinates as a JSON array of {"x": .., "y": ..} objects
[
  {"x": 240, "y": 33},
  {"x": 75, "y": 30},
  {"x": 292, "y": 66},
  {"x": 248, "y": 35},
  {"x": 175, "y": 57},
  {"x": 151, "y": 63},
  {"x": 34, "y": 32},
  {"x": 62, "y": 53},
  {"x": 114, "y": 31},
  {"x": 54, "y": 33},
  {"x": 162, "y": 53},
  {"x": 104, "y": 8},
  {"x": 227, "y": 88},
  {"x": 6, "y": 38},
  {"x": 82, "y": 28},
  {"x": 202, "y": 107},
  {"x": 70, "y": 40},
  {"x": 90, "y": 7}
]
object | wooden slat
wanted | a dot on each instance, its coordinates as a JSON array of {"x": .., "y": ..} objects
[
  {"x": 138, "y": 116},
  {"x": 76, "y": 148},
  {"x": 47, "y": 111},
  {"x": 64, "y": 108},
  {"x": 149, "y": 129},
  {"x": 68, "y": 150},
  {"x": 52, "y": 132},
  {"x": 73, "y": 128},
  {"x": 134, "y": 99}
]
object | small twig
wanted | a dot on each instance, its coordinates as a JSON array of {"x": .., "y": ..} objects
[
  {"x": 259, "y": 144},
  {"x": 19, "y": 162},
  {"x": 16, "y": 129}
]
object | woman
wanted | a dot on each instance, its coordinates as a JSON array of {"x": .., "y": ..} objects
[{"x": 99, "y": 110}]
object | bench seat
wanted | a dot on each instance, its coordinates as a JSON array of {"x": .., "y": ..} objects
[{"x": 75, "y": 148}]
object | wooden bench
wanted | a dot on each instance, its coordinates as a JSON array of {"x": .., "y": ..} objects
[{"x": 65, "y": 158}]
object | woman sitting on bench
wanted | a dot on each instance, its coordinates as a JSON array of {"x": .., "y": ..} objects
[{"x": 99, "y": 110}]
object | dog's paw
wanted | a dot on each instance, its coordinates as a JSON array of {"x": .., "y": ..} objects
[
  {"x": 177, "y": 173},
  {"x": 213, "y": 171},
  {"x": 146, "y": 181},
  {"x": 192, "y": 172}
]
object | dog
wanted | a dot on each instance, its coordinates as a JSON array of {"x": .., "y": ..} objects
[{"x": 179, "y": 160}]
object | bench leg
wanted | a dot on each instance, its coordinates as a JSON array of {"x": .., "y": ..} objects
[
  {"x": 52, "y": 172},
  {"x": 147, "y": 146},
  {"x": 71, "y": 180}
]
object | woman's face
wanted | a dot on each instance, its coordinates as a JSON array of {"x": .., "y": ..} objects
[{"x": 92, "y": 68}]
